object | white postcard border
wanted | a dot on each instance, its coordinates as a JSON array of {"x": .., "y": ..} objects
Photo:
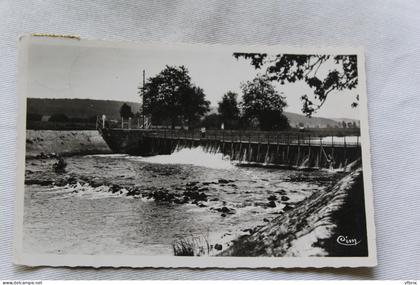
[{"x": 22, "y": 258}]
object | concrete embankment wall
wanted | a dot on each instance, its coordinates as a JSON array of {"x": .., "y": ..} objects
[
  {"x": 313, "y": 226},
  {"x": 64, "y": 142}
]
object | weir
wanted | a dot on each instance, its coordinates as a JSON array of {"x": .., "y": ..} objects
[{"x": 268, "y": 148}]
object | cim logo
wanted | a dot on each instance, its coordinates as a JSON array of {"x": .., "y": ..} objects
[{"x": 345, "y": 240}]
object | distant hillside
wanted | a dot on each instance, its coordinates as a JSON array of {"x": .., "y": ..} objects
[
  {"x": 296, "y": 120},
  {"x": 78, "y": 108},
  {"x": 86, "y": 108},
  {"x": 316, "y": 122},
  {"x": 347, "y": 120}
]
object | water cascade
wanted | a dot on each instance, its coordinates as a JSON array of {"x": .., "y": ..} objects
[{"x": 293, "y": 155}]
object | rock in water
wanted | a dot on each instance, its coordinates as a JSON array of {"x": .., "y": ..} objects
[
  {"x": 114, "y": 188},
  {"x": 285, "y": 198},
  {"x": 60, "y": 165},
  {"x": 272, "y": 198},
  {"x": 218, "y": 246},
  {"x": 225, "y": 181},
  {"x": 226, "y": 210},
  {"x": 271, "y": 204},
  {"x": 287, "y": 208},
  {"x": 281, "y": 192}
]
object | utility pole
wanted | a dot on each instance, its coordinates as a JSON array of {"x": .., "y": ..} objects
[{"x": 142, "y": 97}]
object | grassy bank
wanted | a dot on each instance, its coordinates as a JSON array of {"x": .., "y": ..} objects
[{"x": 64, "y": 142}]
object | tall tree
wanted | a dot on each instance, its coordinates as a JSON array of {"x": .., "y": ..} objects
[
  {"x": 193, "y": 104},
  {"x": 170, "y": 96},
  {"x": 341, "y": 74},
  {"x": 261, "y": 101},
  {"x": 125, "y": 111},
  {"x": 229, "y": 108}
]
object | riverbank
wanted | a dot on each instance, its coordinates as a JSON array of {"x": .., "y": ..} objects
[
  {"x": 46, "y": 142},
  {"x": 327, "y": 224}
]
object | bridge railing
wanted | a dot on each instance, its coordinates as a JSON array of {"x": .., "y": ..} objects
[
  {"x": 324, "y": 137},
  {"x": 285, "y": 138}
]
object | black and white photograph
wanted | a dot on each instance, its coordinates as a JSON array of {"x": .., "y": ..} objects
[{"x": 191, "y": 155}]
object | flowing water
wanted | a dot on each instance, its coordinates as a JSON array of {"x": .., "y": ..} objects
[{"x": 86, "y": 217}]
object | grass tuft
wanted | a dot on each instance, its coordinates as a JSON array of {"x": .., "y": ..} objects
[{"x": 193, "y": 246}]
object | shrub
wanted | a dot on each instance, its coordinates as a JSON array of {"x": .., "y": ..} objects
[
  {"x": 58, "y": 118},
  {"x": 194, "y": 246}
]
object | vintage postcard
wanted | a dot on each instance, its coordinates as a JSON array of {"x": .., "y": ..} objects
[{"x": 178, "y": 155}]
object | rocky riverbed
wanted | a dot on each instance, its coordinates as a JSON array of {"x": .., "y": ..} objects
[{"x": 121, "y": 204}]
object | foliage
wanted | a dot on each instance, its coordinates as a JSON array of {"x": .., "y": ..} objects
[
  {"x": 273, "y": 120},
  {"x": 229, "y": 109},
  {"x": 212, "y": 121},
  {"x": 262, "y": 102},
  {"x": 294, "y": 67},
  {"x": 183, "y": 248},
  {"x": 31, "y": 117},
  {"x": 125, "y": 111},
  {"x": 78, "y": 108},
  {"x": 58, "y": 118},
  {"x": 170, "y": 95},
  {"x": 193, "y": 104},
  {"x": 191, "y": 246}
]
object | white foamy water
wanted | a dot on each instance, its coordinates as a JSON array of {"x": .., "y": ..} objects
[
  {"x": 192, "y": 156},
  {"x": 86, "y": 218}
]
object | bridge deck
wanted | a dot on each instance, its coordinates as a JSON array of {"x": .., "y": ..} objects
[{"x": 251, "y": 137}]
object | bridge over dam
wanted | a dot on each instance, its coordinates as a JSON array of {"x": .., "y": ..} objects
[{"x": 291, "y": 149}]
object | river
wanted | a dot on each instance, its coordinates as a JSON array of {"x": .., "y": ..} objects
[{"x": 94, "y": 211}]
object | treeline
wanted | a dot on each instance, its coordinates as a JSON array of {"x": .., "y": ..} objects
[
  {"x": 77, "y": 108},
  {"x": 33, "y": 117},
  {"x": 170, "y": 98},
  {"x": 36, "y": 121}
]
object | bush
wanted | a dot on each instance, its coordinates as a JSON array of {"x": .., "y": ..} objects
[
  {"x": 212, "y": 121},
  {"x": 58, "y": 118},
  {"x": 183, "y": 247},
  {"x": 31, "y": 117},
  {"x": 194, "y": 246}
]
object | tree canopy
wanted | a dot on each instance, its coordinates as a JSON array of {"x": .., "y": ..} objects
[
  {"x": 170, "y": 96},
  {"x": 125, "y": 111},
  {"x": 58, "y": 118},
  {"x": 295, "y": 67},
  {"x": 262, "y": 102},
  {"x": 229, "y": 108}
]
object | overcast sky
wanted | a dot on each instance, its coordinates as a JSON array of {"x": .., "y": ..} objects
[{"x": 114, "y": 73}]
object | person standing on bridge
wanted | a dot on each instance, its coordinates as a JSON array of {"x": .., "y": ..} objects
[
  {"x": 103, "y": 121},
  {"x": 203, "y": 132}
]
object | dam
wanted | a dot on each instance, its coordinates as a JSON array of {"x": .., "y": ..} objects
[{"x": 291, "y": 149}]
